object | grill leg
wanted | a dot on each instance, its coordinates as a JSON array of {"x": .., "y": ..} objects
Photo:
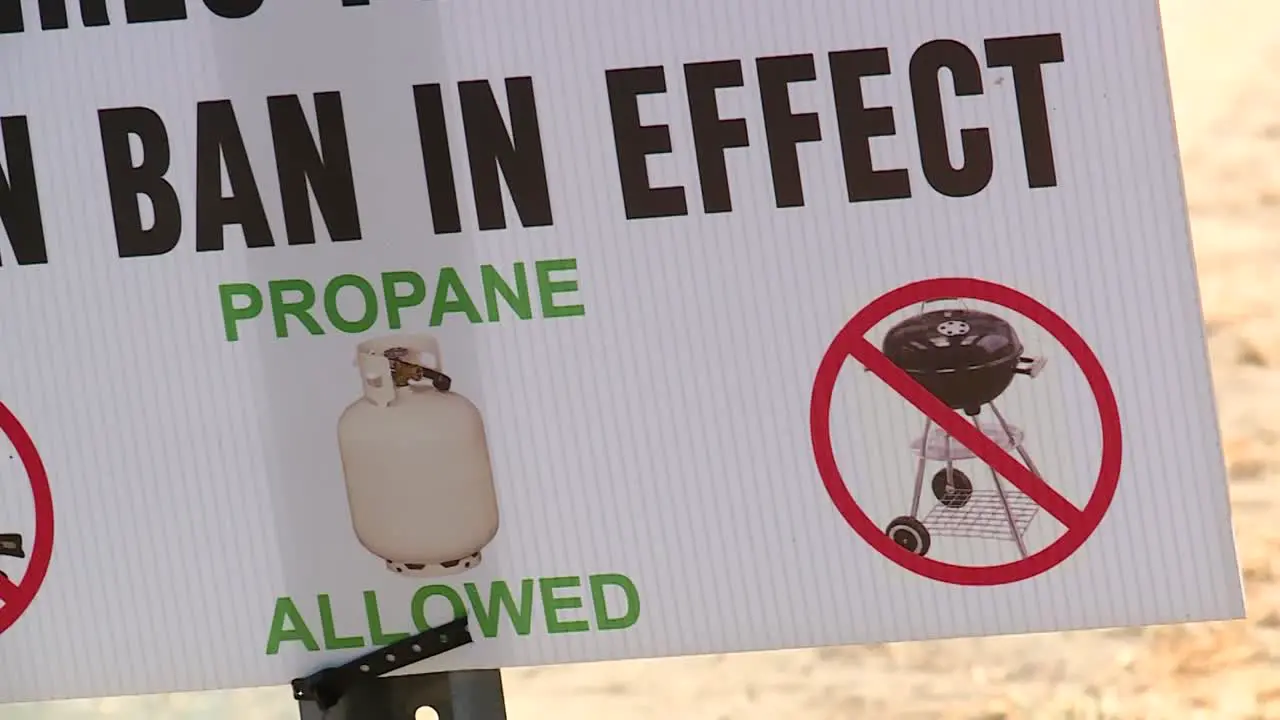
[
  {"x": 1004, "y": 500},
  {"x": 924, "y": 451},
  {"x": 950, "y": 464},
  {"x": 1022, "y": 451}
]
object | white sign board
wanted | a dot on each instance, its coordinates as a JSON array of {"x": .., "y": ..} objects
[{"x": 627, "y": 329}]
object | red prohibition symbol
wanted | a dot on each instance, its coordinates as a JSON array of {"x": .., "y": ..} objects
[
  {"x": 16, "y": 597},
  {"x": 851, "y": 342}
]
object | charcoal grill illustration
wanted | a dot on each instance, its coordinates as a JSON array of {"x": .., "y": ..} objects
[
  {"x": 967, "y": 359},
  {"x": 10, "y": 546}
]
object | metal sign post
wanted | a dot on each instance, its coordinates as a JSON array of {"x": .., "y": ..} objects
[{"x": 360, "y": 690}]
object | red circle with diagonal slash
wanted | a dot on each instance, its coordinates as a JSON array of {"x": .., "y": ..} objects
[
  {"x": 851, "y": 342},
  {"x": 15, "y": 598}
]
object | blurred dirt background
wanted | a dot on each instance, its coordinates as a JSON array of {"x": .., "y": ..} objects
[{"x": 1227, "y": 97}]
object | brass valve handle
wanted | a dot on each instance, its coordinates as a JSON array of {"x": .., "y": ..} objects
[{"x": 403, "y": 371}]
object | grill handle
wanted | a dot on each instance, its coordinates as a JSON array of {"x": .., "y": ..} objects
[
  {"x": 1031, "y": 367},
  {"x": 11, "y": 545},
  {"x": 959, "y": 301}
]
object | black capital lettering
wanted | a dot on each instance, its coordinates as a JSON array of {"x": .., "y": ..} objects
[
  {"x": 633, "y": 142},
  {"x": 437, "y": 160},
  {"x": 325, "y": 168},
  {"x": 11, "y": 20},
  {"x": 53, "y": 13},
  {"x": 127, "y": 182},
  {"x": 19, "y": 195},
  {"x": 517, "y": 156},
  {"x": 976, "y": 169},
  {"x": 859, "y": 123},
  {"x": 783, "y": 128},
  {"x": 233, "y": 9},
  {"x": 218, "y": 140},
  {"x": 712, "y": 135},
  {"x": 1027, "y": 55},
  {"x": 149, "y": 11}
]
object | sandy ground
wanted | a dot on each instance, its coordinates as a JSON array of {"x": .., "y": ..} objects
[{"x": 1222, "y": 56}]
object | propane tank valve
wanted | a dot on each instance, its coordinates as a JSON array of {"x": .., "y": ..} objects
[{"x": 403, "y": 371}]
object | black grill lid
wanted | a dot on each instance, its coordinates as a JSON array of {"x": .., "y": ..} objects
[{"x": 951, "y": 341}]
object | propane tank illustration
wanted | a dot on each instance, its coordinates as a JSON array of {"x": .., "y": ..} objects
[{"x": 416, "y": 461}]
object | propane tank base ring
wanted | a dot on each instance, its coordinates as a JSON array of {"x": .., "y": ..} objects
[{"x": 433, "y": 570}]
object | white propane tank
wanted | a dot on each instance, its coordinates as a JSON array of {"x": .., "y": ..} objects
[{"x": 416, "y": 462}]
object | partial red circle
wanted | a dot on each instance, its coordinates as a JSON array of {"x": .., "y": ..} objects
[
  {"x": 41, "y": 553},
  {"x": 947, "y": 288}
]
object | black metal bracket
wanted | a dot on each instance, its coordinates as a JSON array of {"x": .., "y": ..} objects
[{"x": 326, "y": 688}]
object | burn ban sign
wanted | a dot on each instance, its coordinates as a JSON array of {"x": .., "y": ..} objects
[{"x": 635, "y": 242}]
